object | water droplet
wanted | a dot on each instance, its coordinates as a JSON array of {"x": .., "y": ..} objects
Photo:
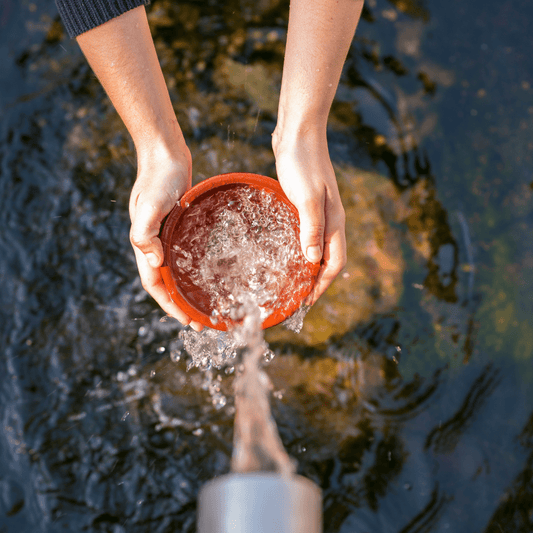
[
  {"x": 161, "y": 349},
  {"x": 278, "y": 394},
  {"x": 125, "y": 415},
  {"x": 143, "y": 330},
  {"x": 152, "y": 373},
  {"x": 140, "y": 502},
  {"x": 198, "y": 432},
  {"x": 175, "y": 356},
  {"x": 268, "y": 356},
  {"x": 205, "y": 365},
  {"x": 219, "y": 401},
  {"x": 229, "y": 370}
]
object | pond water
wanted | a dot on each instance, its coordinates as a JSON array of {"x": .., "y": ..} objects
[{"x": 407, "y": 397}]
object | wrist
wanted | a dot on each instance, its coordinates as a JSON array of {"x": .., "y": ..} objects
[
  {"x": 161, "y": 157},
  {"x": 293, "y": 135},
  {"x": 162, "y": 145},
  {"x": 158, "y": 136}
]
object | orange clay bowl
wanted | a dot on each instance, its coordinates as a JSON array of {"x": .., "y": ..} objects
[{"x": 191, "y": 298}]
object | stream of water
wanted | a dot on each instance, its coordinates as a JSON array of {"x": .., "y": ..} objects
[{"x": 240, "y": 247}]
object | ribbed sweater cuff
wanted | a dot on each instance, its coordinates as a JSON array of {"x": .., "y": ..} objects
[{"x": 80, "y": 16}]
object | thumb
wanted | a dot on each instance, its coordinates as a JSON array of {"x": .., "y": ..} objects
[
  {"x": 312, "y": 230},
  {"x": 144, "y": 233}
]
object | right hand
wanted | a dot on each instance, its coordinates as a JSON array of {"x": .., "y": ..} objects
[
  {"x": 162, "y": 179},
  {"x": 307, "y": 177}
]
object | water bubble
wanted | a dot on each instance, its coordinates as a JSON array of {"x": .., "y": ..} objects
[
  {"x": 268, "y": 355},
  {"x": 278, "y": 394},
  {"x": 229, "y": 370},
  {"x": 198, "y": 432},
  {"x": 175, "y": 356},
  {"x": 132, "y": 371},
  {"x": 152, "y": 373},
  {"x": 205, "y": 364},
  {"x": 219, "y": 401},
  {"x": 143, "y": 330},
  {"x": 213, "y": 388},
  {"x": 125, "y": 415},
  {"x": 160, "y": 349},
  {"x": 122, "y": 376}
]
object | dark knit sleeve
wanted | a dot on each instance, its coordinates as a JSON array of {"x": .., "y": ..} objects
[{"x": 80, "y": 16}]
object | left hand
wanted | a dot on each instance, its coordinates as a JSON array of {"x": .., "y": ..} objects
[{"x": 161, "y": 181}]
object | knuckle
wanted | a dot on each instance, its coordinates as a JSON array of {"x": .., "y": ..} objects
[
  {"x": 314, "y": 232},
  {"x": 313, "y": 204},
  {"x": 138, "y": 239}
]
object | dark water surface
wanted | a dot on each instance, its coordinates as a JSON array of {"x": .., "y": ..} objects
[{"x": 407, "y": 397}]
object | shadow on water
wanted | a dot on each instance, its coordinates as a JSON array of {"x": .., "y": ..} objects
[{"x": 406, "y": 397}]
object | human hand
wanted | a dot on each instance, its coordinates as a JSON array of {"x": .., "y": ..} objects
[
  {"x": 307, "y": 177},
  {"x": 162, "y": 179}
]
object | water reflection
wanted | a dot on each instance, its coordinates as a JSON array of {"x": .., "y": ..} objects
[{"x": 102, "y": 431}]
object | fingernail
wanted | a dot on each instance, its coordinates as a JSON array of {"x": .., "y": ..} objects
[
  {"x": 313, "y": 254},
  {"x": 152, "y": 259}
]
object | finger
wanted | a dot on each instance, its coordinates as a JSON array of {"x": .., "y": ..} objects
[
  {"x": 312, "y": 223},
  {"x": 334, "y": 262},
  {"x": 153, "y": 283},
  {"x": 146, "y": 223}
]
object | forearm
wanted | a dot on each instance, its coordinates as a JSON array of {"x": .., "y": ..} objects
[
  {"x": 122, "y": 54},
  {"x": 318, "y": 40}
]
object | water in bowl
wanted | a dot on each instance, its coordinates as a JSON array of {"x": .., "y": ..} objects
[{"x": 238, "y": 244}]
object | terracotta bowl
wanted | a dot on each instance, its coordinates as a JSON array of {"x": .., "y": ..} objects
[{"x": 193, "y": 301}]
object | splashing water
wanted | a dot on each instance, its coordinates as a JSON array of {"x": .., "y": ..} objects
[
  {"x": 256, "y": 442},
  {"x": 251, "y": 259},
  {"x": 240, "y": 243}
]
